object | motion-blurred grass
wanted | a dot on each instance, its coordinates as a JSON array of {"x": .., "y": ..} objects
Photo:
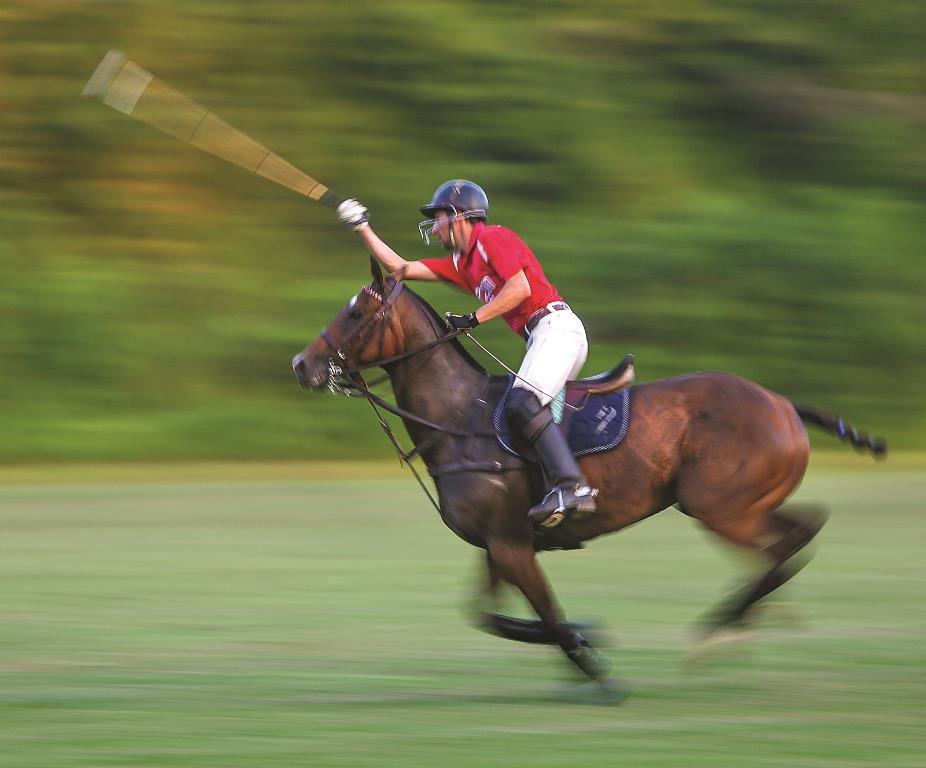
[
  {"x": 246, "y": 622},
  {"x": 711, "y": 184}
]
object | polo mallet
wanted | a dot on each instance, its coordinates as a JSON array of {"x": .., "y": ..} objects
[{"x": 125, "y": 86}]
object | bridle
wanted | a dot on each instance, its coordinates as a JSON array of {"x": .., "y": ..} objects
[
  {"x": 350, "y": 371},
  {"x": 342, "y": 348},
  {"x": 348, "y": 380},
  {"x": 345, "y": 378}
]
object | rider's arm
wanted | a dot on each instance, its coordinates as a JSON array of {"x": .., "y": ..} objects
[
  {"x": 403, "y": 269},
  {"x": 354, "y": 214},
  {"x": 515, "y": 290}
]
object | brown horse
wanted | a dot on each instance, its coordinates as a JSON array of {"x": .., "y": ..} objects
[{"x": 721, "y": 449}]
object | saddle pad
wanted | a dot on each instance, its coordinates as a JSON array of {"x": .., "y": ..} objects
[{"x": 600, "y": 426}]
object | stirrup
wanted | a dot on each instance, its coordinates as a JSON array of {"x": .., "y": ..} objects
[{"x": 577, "y": 499}]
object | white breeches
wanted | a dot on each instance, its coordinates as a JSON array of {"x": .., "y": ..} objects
[{"x": 556, "y": 352}]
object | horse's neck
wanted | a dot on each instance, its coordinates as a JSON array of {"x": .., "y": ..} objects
[{"x": 437, "y": 385}]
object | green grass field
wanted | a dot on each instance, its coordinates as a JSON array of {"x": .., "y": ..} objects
[{"x": 251, "y": 617}]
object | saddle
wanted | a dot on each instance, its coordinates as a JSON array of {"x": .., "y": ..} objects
[
  {"x": 619, "y": 377},
  {"x": 596, "y": 419}
]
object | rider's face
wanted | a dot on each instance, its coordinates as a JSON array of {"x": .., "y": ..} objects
[
  {"x": 442, "y": 228},
  {"x": 453, "y": 231}
]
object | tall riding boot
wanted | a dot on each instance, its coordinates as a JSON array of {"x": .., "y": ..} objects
[{"x": 569, "y": 494}]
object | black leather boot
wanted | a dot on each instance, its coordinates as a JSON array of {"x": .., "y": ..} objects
[{"x": 570, "y": 494}]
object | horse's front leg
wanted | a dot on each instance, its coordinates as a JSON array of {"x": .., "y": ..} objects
[
  {"x": 485, "y": 612},
  {"x": 485, "y": 608},
  {"x": 517, "y": 564},
  {"x": 492, "y": 583},
  {"x": 486, "y": 603}
]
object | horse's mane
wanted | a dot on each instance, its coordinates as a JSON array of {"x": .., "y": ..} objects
[{"x": 440, "y": 328}]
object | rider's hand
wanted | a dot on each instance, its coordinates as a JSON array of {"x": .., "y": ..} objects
[
  {"x": 353, "y": 214},
  {"x": 461, "y": 322}
]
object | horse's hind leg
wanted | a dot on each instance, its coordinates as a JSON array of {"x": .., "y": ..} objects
[
  {"x": 788, "y": 530},
  {"x": 517, "y": 564}
]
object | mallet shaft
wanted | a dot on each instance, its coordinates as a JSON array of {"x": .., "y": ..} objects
[{"x": 125, "y": 86}]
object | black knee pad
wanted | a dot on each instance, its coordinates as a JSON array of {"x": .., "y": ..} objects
[{"x": 525, "y": 414}]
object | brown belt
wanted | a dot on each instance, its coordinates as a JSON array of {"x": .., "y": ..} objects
[{"x": 556, "y": 306}]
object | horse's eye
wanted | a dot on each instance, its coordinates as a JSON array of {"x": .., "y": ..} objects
[{"x": 355, "y": 314}]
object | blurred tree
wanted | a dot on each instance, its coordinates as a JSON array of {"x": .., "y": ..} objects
[{"x": 714, "y": 184}]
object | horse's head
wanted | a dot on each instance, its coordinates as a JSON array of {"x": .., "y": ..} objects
[{"x": 361, "y": 334}]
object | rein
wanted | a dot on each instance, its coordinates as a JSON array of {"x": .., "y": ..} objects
[
  {"x": 411, "y": 353},
  {"x": 347, "y": 380},
  {"x": 404, "y": 456},
  {"x": 336, "y": 371}
]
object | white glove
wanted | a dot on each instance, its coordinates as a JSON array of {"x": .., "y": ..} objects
[{"x": 353, "y": 214}]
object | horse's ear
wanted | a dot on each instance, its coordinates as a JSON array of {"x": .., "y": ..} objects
[{"x": 376, "y": 271}]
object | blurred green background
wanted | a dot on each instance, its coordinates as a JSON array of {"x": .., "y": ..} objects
[{"x": 713, "y": 185}]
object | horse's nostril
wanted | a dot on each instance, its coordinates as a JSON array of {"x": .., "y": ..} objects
[{"x": 299, "y": 369}]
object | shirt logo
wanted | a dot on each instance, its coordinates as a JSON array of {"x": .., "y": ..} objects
[{"x": 485, "y": 291}]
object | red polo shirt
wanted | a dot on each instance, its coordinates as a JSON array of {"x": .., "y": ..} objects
[{"x": 493, "y": 256}]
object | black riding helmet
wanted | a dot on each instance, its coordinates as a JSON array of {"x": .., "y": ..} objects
[{"x": 459, "y": 197}]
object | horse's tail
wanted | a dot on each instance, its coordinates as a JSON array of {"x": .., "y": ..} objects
[{"x": 860, "y": 440}]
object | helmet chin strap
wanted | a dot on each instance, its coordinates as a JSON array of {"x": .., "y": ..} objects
[
  {"x": 454, "y": 245},
  {"x": 451, "y": 220}
]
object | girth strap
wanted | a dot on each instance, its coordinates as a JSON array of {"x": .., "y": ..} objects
[{"x": 460, "y": 467}]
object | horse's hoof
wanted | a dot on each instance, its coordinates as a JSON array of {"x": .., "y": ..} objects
[
  {"x": 606, "y": 692},
  {"x": 613, "y": 691}
]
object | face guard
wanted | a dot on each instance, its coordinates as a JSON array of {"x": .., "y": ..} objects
[{"x": 429, "y": 229}]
